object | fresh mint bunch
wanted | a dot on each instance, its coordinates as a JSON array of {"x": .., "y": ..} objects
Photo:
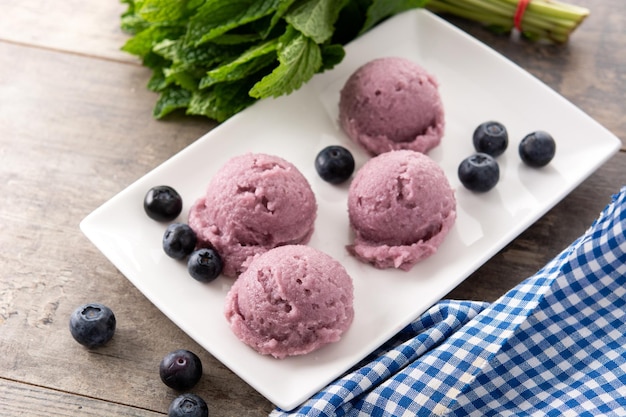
[{"x": 216, "y": 57}]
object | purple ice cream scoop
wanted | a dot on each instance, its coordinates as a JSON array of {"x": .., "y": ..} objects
[
  {"x": 392, "y": 103},
  {"x": 401, "y": 207},
  {"x": 254, "y": 203},
  {"x": 290, "y": 301}
]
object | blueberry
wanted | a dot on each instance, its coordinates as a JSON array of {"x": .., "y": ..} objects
[
  {"x": 491, "y": 138},
  {"x": 188, "y": 405},
  {"x": 537, "y": 148},
  {"x": 162, "y": 203},
  {"x": 204, "y": 264},
  {"x": 92, "y": 325},
  {"x": 335, "y": 164},
  {"x": 479, "y": 172},
  {"x": 179, "y": 240},
  {"x": 180, "y": 369}
]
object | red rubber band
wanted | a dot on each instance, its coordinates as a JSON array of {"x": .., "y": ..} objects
[{"x": 519, "y": 13}]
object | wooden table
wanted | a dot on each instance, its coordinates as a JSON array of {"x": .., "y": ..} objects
[{"x": 76, "y": 128}]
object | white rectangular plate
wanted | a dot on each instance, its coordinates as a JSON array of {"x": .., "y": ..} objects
[{"x": 476, "y": 85}]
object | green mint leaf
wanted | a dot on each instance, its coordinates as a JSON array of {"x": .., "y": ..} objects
[
  {"x": 130, "y": 7},
  {"x": 167, "y": 48},
  {"x": 136, "y": 3},
  {"x": 141, "y": 44},
  {"x": 155, "y": 11},
  {"x": 154, "y": 61},
  {"x": 194, "y": 4},
  {"x": 216, "y": 17},
  {"x": 299, "y": 59},
  {"x": 221, "y": 101},
  {"x": 382, "y": 9},
  {"x": 171, "y": 99},
  {"x": 181, "y": 77},
  {"x": 188, "y": 56},
  {"x": 316, "y": 18},
  {"x": 250, "y": 62},
  {"x": 188, "y": 64},
  {"x": 350, "y": 21},
  {"x": 236, "y": 38},
  {"x": 278, "y": 15},
  {"x": 332, "y": 55},
  {"x": 133, "y": 24},
  {"x": 157, "y": 82}
]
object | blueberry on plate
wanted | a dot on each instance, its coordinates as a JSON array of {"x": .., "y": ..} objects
[
  {"x": 491, "y": 138},
  {"x": 179, "y": 240},
  {"x": 162, "y": 203},
  {"x": 479, "y": 172},
  {"x": 537, "y": 149},
  {"x": 204, "y": 264},
  {"x": 334, "y": 164},
  {"x": 180, "y": 369},
  {"x": 92, "y": 325},
  {"x": 188, "y": 405}
]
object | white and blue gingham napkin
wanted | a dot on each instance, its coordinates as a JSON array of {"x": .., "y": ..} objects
[{"x": 555, "y": 345}]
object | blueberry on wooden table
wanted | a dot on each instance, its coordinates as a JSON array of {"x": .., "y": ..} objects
[
  {"x": 334, "y": 164},
  {"x": 537, "y": 149},
  {"x": 162, "y": 203},
  {"x": 180, "y": 369},
  {"x": 479, "y": 172},
  {"x": 92, "y": 325},
  {"x": 188, "y": 405},
  {"x": 179, "y": 240}
]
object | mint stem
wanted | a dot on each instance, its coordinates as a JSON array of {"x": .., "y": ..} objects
[{"x": 543, "y": 19}]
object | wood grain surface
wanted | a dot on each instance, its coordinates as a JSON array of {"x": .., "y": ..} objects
[{"x": 76, "y": 128}]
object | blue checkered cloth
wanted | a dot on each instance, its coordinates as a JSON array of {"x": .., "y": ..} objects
[{"x": 555, "y": 345}]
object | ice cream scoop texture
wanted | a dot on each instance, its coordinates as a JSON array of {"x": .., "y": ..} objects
[
  {"x": 392, "y": 103},
  {"x": 401, "y": 207},
  {"x": 290, "y": 301},
  {"x": 254, "y": 203}
]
